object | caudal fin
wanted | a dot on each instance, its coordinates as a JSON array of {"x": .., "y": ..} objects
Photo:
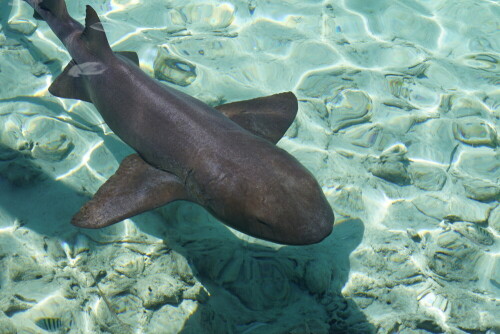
[{"x": 55, "y": 8}]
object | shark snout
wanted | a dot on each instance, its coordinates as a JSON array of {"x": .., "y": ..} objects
[
  {"x": 308, "y": 228},
  {"x": 297, "y": 222}
]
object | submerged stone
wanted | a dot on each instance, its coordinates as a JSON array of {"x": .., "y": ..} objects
[
  {"x": 272, "y": 288},
  {"x": 323, "y": 83},
  {"x": 460, "y": 106},
  {"x": 481, "y": 190},
  {"x": 452, "y": 258},
  {"x": 494, "y": 219},
  {"x": 173, "y": 69},
  {"x": 157, "y": 290},
  {"x": 482, "y": 163},
  {"x": 451, "y": 207},
  {"x": 475, "y": 131},
  {"x": 349, "y": 201},
  {"x": 318, "y": 276},
  {"x": 23, "y": 268},
  {"x": 209, "y": 16},
  {"x": 347, "y": 108},
  {"x": 53, "y": 150},
  {"x": 402, "y": 214},
  {"x": 6, "y": 325},
  {"x": 474, "y": 233},
  {"x": 391, "y": 165},
  {"x": 270, "y": 37},
  {"x": 22, "y": 172},
  {"x": 6, "y": 153},
  {"x": 427, "y": 177},
  {"x": 24, "y": 27},
  {"x": 128, "y": 263},
  {"x": 365, "y": 135}
]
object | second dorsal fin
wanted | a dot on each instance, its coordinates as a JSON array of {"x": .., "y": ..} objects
[
  {"x": 94, "y": 35},
  {"x": 130, "y": 55}
]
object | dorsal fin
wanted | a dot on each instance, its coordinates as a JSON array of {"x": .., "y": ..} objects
[
  {"x": 268, "y": 117},
  {"x": 94, "y": 34}
]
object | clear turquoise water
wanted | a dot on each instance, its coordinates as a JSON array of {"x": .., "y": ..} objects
[{"x": 398, "y": 120}]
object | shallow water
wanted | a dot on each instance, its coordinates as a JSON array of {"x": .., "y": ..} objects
[{"x": 398, "y": 120}]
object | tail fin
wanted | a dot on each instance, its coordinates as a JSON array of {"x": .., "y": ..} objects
[
  {"x": 94, "y": 34},
  {"x": 56, "y": 8}
]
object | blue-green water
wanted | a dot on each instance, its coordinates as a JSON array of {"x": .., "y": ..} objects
[{"x": 398, "y": 120}]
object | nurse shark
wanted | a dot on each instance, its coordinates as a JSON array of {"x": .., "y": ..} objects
[{"x": 222, "y": 158}]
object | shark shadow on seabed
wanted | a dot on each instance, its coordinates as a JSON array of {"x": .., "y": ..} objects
[{"x": 251, "y": 287}]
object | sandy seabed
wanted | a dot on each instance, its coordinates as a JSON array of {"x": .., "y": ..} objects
[{"x": 398, "y": 119}]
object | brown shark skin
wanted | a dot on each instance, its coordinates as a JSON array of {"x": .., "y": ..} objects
[{"x": 242, "y": 179}]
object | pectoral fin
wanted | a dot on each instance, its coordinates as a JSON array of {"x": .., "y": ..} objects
[
  {"x": 136, "y": 187},
  {"x": 268, "y": 117},
  {"x": 69, "y": 84}
]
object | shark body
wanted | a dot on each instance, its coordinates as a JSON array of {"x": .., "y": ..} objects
[{"x": 222, "y": 158}]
